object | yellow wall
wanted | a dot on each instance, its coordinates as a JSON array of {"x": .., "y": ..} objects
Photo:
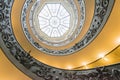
[{"x": 8, "y": 71}]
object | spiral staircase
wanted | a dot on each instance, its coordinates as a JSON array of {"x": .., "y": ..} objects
[{"x": 59, "y": 40}]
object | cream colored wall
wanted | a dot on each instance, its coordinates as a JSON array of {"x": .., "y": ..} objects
[{"x": 8, "y": 71}]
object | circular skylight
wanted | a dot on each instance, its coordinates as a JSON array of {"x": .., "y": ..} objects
[{"x": 54, "y": 20}]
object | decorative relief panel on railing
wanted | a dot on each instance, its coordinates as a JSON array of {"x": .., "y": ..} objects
[{"x": 8, "y": 43}]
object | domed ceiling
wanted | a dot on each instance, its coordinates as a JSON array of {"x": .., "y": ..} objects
[{"x": 65, "y": 34}]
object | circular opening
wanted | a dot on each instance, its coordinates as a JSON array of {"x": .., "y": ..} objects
[{"x": 54, "y": 20}]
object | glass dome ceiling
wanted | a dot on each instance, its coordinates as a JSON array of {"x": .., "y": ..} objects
[
  {"x": 55, "y": 23},
  {"x": 54, "y": 20}
]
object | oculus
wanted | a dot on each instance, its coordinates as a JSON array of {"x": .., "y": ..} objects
[{"x": 54, "y": 20}]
